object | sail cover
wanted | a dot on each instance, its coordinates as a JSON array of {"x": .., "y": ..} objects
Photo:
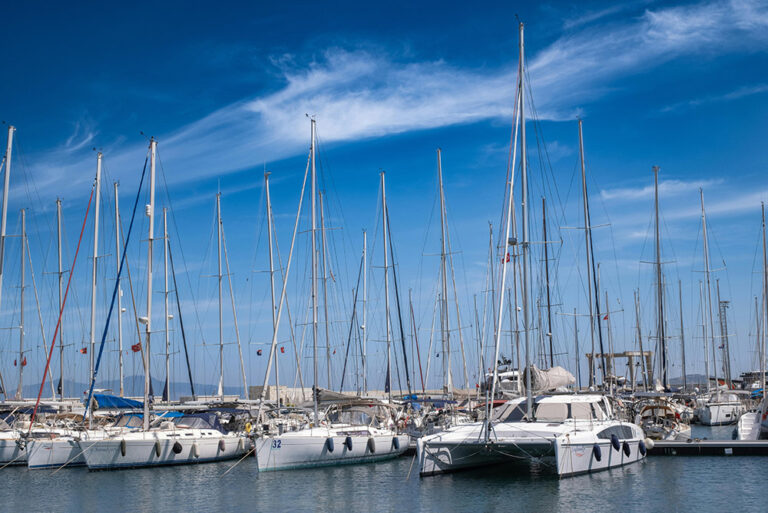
[
  {"x": 550, "y": 379},
  {"x": 116, "y": 402}
]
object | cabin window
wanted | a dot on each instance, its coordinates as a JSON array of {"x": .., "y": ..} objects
[
  {"x": 581, "y": 411},
  {"x": 551, "y": 412}
]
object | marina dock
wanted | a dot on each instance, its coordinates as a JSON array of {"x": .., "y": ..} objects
[{"x": 701, "y": 447}]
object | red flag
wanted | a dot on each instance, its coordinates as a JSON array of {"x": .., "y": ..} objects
[
  {"x": 606, "y": 317},
  {"x": 24, "y": 361},
  {"x": 136, "y": 347},
  {"x": 334, "y": 351},
  {"x": 507, "y": 260},
  {"x": 84, "y": 350},
  {"x": 14, "y": 363},
  {"x": 258, "y": 352},
  {"x": 282, "y": 349}
]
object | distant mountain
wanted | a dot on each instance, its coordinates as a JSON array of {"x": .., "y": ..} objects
[{"x": 134, "y": 387}]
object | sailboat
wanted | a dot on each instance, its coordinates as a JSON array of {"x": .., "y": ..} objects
[
  {"x": 753, "y": 424},
  {"x": 717, "y": 407},
  {"x": 167, "y": 439},
  {"x": 347, "y": 431},
  {"x": 569, "y": 434}
]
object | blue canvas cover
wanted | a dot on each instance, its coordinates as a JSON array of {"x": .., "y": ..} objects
[{"x": 116, "y": 402}]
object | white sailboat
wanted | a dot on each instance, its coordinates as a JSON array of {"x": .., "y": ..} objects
[
  {"x": 180, "y": 440},
  {"x": 569, "y": 434},
  {"x": 352, "y": 432}
]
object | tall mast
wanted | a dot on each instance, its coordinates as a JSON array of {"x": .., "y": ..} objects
[
  {"x": 118, "y": 227},
  {"x": 61, "y": 298},
  {"x": 682, "y": 332},
  {"x": 92, "y": 347},
  {"x": 150, "y": 239},
  {"x": 314, "y": 275},
  {"x": 272, "y": 280},
  {"x": 709, "y": 288},
  {"x": 325, "y": 292},
  {"x": 765, "y": 306},
  {"x": 640, "y": 341},
  {"x": 526, "y": 238},
  {"x": 546, "y": 275},
  {"x": 587, "y": 234},
  {"x": 167, "y": 388},
  {"x": 4, "y": 218},
  {"x": 364, "y": 327},
  {"x": 386, "y": 284},
  {"x": 445, "y": 324},
  {"x": 20, "y": 389},
  {"x": 510, "y": 187},
  {"x": 659, "y": 284},
  {"x": 221, "y": 308},
  {"x": 723, "y": 315},
  {"x": 702, "y": 301}
]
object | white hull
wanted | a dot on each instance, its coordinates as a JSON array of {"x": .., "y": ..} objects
[
  {"x": 56, "y": 452},
  {"x": 557, "y": 454},
  {"x": 575, "y": 444},
  {"x": 156, "y": 448},
  {"x": 749, "y": 426},
  {"x": 311, "y": 448},
  {"x": 720, "y": 414},
  {"x": 10, "y": 452}
]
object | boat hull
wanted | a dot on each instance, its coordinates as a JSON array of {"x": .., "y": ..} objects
[
  {"x": 57, "y": 452},
  {"x": 307, "y": 450},
  {"x": 152, "y": 450},
  {"x": 11, "y": 453},
  {"x": 720, "y": 414}
]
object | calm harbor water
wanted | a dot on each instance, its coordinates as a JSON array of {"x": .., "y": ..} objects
[{"x": 659, "y": 484}]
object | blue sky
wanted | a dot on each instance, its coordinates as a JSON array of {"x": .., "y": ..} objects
[{"x": 225, "y": 90}]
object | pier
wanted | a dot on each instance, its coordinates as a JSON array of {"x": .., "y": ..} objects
[{"x": 702, "y": 447}]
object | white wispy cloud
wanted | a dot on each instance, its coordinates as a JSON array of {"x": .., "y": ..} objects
[
  {"x": 736, "y": 94},
  {"x": 359, "y": 94},
  {"x": 666, "y": 188}
]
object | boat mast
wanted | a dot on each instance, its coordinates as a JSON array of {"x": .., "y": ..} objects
[
  {"x": 682, "y": 332},
  {"x": 765, "y": 306},
  {"x": 20, "y": 389},
  {"x": 510, "y": 187},
  {"x": 119, "y": 292},
  {"x": 659, "y": 285},
  {"x": 445, "y": 322},
  {"x": 61, "y": 298},
  {"x": 587, "y": 234},
  {"x": 220, "y": 276},
  {"x": 702, "y": 301},
  {"x": 148, "y": 324},
  {"x": 546, "y": 275},
  {"x": 167, "y": 388},
  {"x": 526, "y": 240},
  {"x": 4, "y": 219},
  {"x": 314, "y": 274},
  {"x": 709, "y": 288},
  {"x": 364, "y": 327},
  {"x": 386, "y": 284},
  {"x": 323, "y": 249},
  {"x": 92, "y": 347},
  {"x": 272, "y": 280}
]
